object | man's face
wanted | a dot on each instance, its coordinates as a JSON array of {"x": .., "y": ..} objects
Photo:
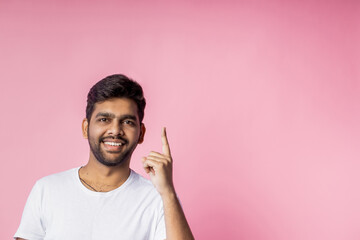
[{"x": 113, "y": 131}]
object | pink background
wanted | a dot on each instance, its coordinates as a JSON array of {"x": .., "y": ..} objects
[{"x": 260, "y": 98}]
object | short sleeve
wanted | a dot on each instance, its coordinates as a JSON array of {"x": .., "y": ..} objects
[{"x": 31, "y": 226}]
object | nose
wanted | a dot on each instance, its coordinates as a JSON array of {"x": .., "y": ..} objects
[{"x": 116, "y": 129}]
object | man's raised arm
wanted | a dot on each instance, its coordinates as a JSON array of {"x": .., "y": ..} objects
[{"x": 159, "y": 167}]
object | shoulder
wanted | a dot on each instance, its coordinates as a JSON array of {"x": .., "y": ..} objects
[
  {"x": 61, "y": 178},
  {"x": 52, "y": 185},
  {"x": 143, "y": 186},
  {"x": 141, "y": 182}
]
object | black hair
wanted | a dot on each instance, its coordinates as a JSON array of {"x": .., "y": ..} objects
[{"x": 116, "y": 86}]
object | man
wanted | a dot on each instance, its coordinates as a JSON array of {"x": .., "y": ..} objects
[{"x": 105, "y": 199}]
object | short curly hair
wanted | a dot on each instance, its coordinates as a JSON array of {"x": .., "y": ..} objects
[{"x": 116, "y": 86}]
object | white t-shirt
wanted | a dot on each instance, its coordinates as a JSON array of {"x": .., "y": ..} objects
[{"x": 61, "y": 207}]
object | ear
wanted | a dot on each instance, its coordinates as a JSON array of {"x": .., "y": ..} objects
[
  {"x": 84, "y": 127},
  {"x": 142, "y": 133}
]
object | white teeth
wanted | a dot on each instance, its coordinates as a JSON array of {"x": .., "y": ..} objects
[{"x": 113, "y": 143}]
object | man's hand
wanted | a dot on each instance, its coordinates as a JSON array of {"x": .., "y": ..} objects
[{"x": 159, "y": 167}]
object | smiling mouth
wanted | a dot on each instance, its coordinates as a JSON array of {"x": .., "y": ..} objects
[{"x": 114, "y": 143}]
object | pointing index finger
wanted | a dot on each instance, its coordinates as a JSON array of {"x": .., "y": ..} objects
[{"x": 165, "y": 142}]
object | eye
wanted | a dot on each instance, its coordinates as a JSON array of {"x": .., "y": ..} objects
[
  {"x": 129, "y": 122},
  {"x": 102, "y": 119}
]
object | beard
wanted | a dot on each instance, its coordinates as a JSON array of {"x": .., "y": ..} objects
[{"x": 100, "y": 154}]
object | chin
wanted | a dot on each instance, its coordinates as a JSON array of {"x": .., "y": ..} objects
[{"x": 111, "y": 164}]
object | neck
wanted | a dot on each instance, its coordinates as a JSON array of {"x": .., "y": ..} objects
[{"x": 103, "y": 178}]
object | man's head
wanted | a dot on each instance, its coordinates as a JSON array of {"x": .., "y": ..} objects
[
  {"x": 113, "y": 123},
  {"x": 116, "y": 86}
]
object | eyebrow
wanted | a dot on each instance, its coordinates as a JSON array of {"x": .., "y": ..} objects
[
  {"x": 111, "y": 115},
  {"x": 105, "y": 114}
]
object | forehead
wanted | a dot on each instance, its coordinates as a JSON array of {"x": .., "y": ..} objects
[{"x": 116, "y": 106}]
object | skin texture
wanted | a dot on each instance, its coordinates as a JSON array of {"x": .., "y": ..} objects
[
  {"x": 110, "y": 127},
  {"x": 117, "y": 120},
  {"x": 111, "y": 120}
]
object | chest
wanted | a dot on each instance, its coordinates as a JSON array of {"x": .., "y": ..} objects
[{"x": 86, "y": 217}]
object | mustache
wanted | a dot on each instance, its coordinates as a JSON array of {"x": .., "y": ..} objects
[{"x": 114, "y": 137}]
